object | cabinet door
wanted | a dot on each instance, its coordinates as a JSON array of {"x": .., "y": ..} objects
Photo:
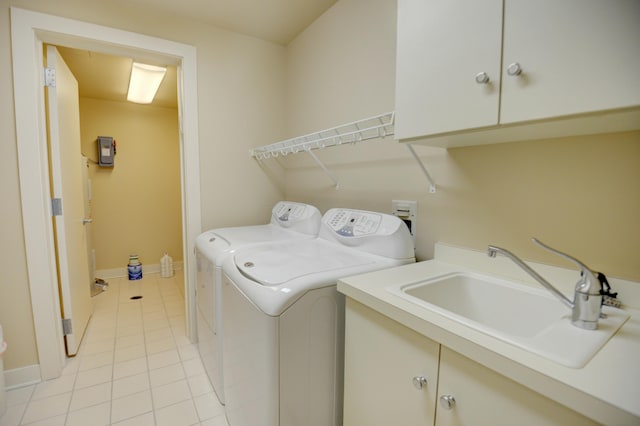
[
  {"x": 441, "y": 46},
  {"x": 381, "y": 359},
  {"x": 576, "y": 56},
  {"x": 483, "y": 397}
]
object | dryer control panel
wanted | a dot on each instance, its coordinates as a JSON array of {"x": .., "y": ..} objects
[
  {"x": 296, "y": 216},
  {"x": 289, "y": 211}
]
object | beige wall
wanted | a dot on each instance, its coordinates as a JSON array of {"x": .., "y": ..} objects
[
  {"x": 342, "y": 67},
  {"x": 136, "y": 205},
  {"x": 241, "y": 105},
  {"x": 581, "y": 195}
]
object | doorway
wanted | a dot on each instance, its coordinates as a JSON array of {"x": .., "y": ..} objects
[
  {"x": 30, "y": 30},
  {"x": 134, "y": 201}
]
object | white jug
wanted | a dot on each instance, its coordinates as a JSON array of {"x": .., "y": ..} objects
[{"x": 166, "y": 266}]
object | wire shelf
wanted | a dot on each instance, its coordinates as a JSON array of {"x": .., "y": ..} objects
[{"x": 378, "y": 126}]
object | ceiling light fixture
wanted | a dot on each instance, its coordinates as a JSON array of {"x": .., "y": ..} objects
[{"x": 144, "y": 83}]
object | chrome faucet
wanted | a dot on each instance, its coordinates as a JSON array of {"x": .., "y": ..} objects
[{"x": 587, "y": 301}]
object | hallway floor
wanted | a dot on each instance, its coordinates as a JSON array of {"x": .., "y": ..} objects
[{"x": 135, "y": 367}]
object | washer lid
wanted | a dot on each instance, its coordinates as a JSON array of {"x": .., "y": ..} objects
[
  {"x": 276, "y": 264},
  {"x": 215, "y": 243},
  {"x": 255, "y": 234}
]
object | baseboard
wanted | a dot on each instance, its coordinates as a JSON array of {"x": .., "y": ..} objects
[
  {"x": 123, "y": 272},
  {"x": 23, "y": 376}
]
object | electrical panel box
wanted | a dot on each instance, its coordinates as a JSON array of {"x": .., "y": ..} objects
[{"x": 106, "y": 151}]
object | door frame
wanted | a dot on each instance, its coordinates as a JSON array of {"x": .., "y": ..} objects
[{"x": 29, "y": 31}]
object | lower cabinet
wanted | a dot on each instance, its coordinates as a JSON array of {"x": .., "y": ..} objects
[
  {"x": 484, "y": 397},
  {"x": 394, "y": 375},
  {"x": 385, "y": 363}
]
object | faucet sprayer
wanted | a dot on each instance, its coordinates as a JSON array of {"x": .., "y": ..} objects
[{"x": 587, "y": 299}]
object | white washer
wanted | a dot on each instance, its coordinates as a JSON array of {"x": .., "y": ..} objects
[
  {"x": 289, "y": 221},
  {"x": 284, "y": 319}
]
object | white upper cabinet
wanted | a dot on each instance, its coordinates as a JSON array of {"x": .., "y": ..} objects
[
  {"x": 576, "y": 56},
  {"x": 470, "y": 65},
  {"x": 442, "y": 45}
]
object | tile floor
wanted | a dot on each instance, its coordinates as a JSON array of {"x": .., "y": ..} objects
[{"x": 135, "y": 367}]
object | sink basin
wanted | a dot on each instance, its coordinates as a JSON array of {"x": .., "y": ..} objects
[
  {"x": 516, "y": 311},
  {"x": 524, "y": 316}
]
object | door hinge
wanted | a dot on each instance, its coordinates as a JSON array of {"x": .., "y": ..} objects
[
  {"x": 67, "y": 327},
  {"x": 56, "y": 207},
  {"x": 50, "y": 77}
]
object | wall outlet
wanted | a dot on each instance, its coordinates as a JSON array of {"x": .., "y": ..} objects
[{"x": 407, "y": 211}]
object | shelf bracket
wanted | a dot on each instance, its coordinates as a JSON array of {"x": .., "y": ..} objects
[
  {"x": 324, "y": 168},
  {"x": 432, "y": 184}
]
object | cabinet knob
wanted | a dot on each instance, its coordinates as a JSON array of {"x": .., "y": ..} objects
[
  {"x": 514, "y": 69},
  {"x": 419, "y": 382},
  {"x": 447, "y": 402},
  {"x": 482, "y": 78}
]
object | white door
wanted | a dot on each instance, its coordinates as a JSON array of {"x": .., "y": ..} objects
[{"x": 67, "y": 184}]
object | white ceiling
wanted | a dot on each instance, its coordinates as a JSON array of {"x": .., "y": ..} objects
[{"x": 106, "y": 77}]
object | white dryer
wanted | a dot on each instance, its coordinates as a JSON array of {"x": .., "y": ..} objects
[
  {"x": 284, "y": 319},
  {"x": 289, "y": 221}
]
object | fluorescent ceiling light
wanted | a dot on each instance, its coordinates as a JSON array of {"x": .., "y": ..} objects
[{"x": 144, "y": 83}]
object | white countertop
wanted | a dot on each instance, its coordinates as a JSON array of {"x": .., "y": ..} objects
[{"x": 607, "y": 389}]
